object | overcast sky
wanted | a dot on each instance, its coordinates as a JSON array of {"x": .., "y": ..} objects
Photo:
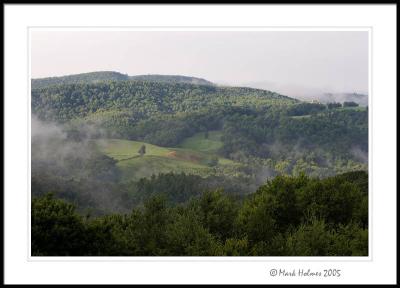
[{"x": 326, "y": 61}]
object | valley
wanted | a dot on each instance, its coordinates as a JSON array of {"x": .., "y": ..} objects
[{"x": 158, "y": 165}]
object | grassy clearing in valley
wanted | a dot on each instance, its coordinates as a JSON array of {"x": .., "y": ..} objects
[
  {"x": 199, "y": 142},
  {"x": 159, "y": 159}
]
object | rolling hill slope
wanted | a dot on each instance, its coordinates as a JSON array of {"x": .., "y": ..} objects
[
  {"x": 251, "y": 126},
  {"x": 91, "y": 77},
  {"x": 75, "y": 96},
  {"x": 160, "y": 159},
  {"x": 208, "y": 142}
]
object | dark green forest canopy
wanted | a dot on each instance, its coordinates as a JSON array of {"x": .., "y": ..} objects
[
  {"x": 288, "y": 216},
  {"x": 141, "y": 99}
]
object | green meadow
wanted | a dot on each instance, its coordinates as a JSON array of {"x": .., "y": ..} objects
[{"x": 195, "y": 155}]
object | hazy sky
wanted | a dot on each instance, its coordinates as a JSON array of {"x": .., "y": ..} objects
[{"x": 326, "y": 61}]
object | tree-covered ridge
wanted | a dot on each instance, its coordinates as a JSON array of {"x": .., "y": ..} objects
[
  {"x": 142, "y": 99},
  {"x": 90, "y": 77},
  {"x": 93, "y": 77},
  {"x": 288, "y": 216}
]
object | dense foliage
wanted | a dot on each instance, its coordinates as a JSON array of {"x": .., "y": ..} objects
[
  {"x": 98, "y": 196},
  {"x": 287, "y": 216},
  {"x": 334, "y": 131},
  {"x": 139, "y": 100}
]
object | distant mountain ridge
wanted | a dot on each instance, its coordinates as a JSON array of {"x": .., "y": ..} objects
[
  {"x": 90, "y": 77},
  {"x": 93, "y": 77},
  {"x": 172, "y": 79},
  {"x": 308, "y": 94},
  {"x": 361, "y": 99}
]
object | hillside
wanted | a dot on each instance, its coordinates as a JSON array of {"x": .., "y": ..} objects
[
  {"x": 158, "y": 159},
  {"x": 141, "y": 99},
  {"x": 263, "y": 130},
  {"x": 209, "y": 142}
]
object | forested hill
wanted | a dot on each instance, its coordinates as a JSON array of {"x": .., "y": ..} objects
[
  {"x": 142, "y": 99},
  {"x": 255, "y": 126},
  {"x": 93, "y": 77}
]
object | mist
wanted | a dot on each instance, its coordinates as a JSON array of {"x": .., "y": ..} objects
[
  {"x": 70, "y": 166},
  {"x": 325, "y": 94},
  {"x": 359, "y": 154}
]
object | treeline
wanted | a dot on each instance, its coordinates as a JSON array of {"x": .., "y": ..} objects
[
  {"x": 90, "y": 77},
  {"x": 288, "y": 216},
  {"x": 93, "y": 77},
  {"x": 171, "y": 79}
]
